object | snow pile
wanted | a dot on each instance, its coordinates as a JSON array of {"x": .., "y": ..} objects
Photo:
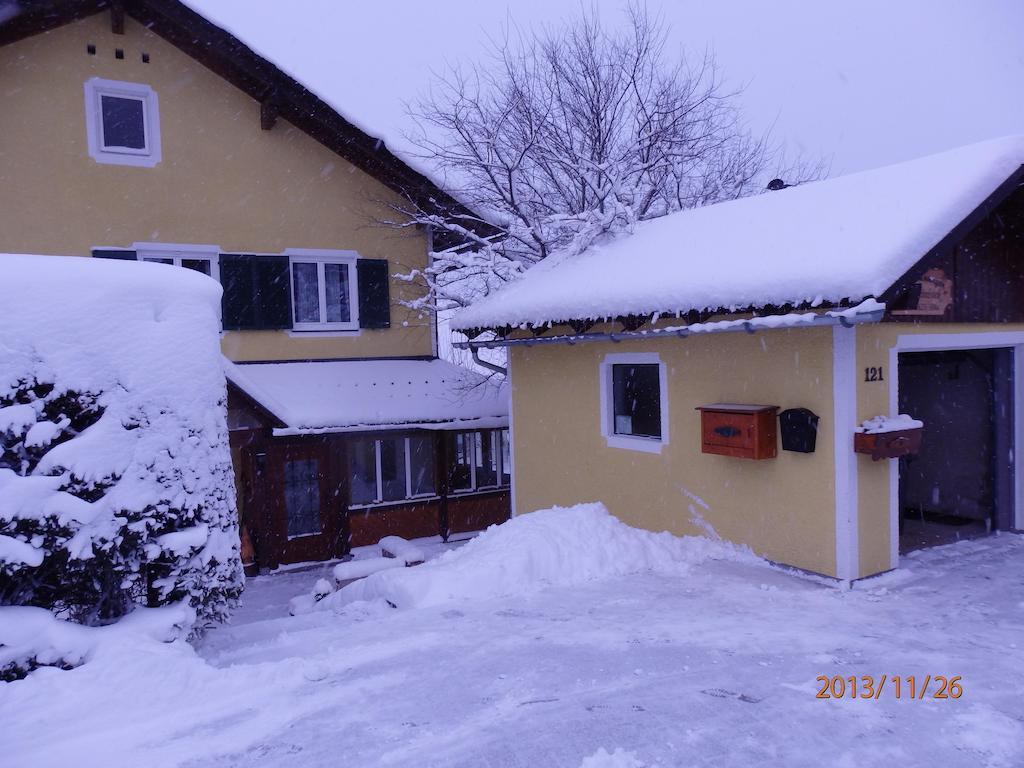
[
  {"x": 34, "y": 637},
  {"x": 880, "y": 424},
  {"x": 845, "y": 238},
  {"x": 399, "y": 549},
  {"x": 328, "y": 396},
  {"x": 620, "y": 758},
  {"x": 559, "y": 546},
  {"x": 116, "y": 487}
]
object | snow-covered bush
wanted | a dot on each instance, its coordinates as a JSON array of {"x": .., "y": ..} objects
[{"x": 116, "y": 487}]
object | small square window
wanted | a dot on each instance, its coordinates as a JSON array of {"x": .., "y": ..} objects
[
  {"x": 637, "y": 400},
  {"x": 634, "y": 402},
  {"x": 122, "y": 122}
]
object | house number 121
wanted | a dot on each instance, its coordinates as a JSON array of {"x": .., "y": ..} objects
[{"x": 873, "y": 374}]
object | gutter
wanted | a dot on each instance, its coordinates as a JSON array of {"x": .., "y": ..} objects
[
  {"x": 869, "y": 311},
  {"x": 474, "y": 350}
]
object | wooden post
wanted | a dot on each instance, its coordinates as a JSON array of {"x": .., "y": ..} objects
[{"x": 443, "y": 472}]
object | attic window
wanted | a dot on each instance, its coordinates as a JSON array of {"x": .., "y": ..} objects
[{"x": 122, "y": 122}]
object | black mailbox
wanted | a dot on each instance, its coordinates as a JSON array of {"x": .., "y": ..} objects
[{"x": 799, "y": 430}]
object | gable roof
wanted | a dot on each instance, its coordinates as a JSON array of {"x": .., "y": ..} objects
[
  {"x": 359, "y": 395},
  {"x": 836, "y": 242},
  {"x": 223, "y": 53}
]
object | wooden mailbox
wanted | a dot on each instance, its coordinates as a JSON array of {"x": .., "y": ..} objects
[
  {"x": 739, "y": 430},
  {"x": 888, "y": 445}
]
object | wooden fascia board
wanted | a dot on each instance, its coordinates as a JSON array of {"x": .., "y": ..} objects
[{"x": 954, "y": 236}]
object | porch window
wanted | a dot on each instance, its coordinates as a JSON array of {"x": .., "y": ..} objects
[
  {"x": 421, "y": 466},
  {"x": 486, "y": 459},
  {"x": 323, "y": 291},
  {"x": 392, "y": 469},
  {"x": 302, "y": 497},
  {"x": 478, "y": 460},
  {"x": 506, "y": 457},
  {"x": 363, "y": 459},
  {"x": 460, "y": 461}
]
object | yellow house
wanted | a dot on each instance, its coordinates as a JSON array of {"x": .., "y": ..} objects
[
  {"x": 140, "y": 130},
  {"x": 739, "y": 370}
]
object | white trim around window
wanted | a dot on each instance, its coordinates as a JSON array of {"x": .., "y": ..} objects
[
  {"x": 378, "y": 499},
  {"x": 320, "y": 259},
  {"x": 180, "y": 253},
  {"x": 632, "y": 442},
  {"x": 100, "y": 150}
]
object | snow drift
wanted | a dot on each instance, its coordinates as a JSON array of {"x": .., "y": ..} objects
[
  {"x": 116, "y": 487},
  {"x": 561, "y": 546}
]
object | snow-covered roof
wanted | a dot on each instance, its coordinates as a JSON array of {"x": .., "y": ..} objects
[
  {"x": 849, "y": 237},
  {"x": 354, "y": 395}
]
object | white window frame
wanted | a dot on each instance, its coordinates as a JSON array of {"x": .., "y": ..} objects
[
  {"x": 408, "y": 474},
  {"x": 632, "y": 442},
  {"x": 95, "y": 89},
  {"x": 180, "y": 251},
  {"x": 379, "y": 494},
  {"x": 494, "y": 435},
  {"x": 321, "y": 258}
]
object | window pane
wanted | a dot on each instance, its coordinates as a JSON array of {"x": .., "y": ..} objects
[
  {"x": 392, "y": 468},
  {"x": 364, "y": 471},
  {"x": 306, "y": 293},
  {"x": 486, "y": 460},
  {"x": 421, "y": 465},
  {"x": 124, "y": 126},
  {"x": 336, "y": 285},
  {"x": 460, "y": 454},
  {"x": 506, "y": 459},
  {"x": 199, "y": 265},
  {"x": 637, "y": 400},
  {"x": 302, "y": 496},
  {"x": 156, "y": 260}
]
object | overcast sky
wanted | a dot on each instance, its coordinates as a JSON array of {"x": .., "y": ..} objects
[{"x": 864, "y": 83}]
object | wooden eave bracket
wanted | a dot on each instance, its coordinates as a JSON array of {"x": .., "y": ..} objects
[
  {"x": 269, "y": 112},
  {"x": 117, "y": 18}
]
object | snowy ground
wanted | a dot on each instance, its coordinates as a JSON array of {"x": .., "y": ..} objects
[{"x": 715, "y": 667}]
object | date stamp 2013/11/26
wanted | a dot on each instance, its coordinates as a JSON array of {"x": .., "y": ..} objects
[{"x": 901, "y": 687}]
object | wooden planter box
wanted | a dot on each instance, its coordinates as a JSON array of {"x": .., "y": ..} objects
[
  {"x": 739, "y": 430},
  {"x": 888, "y": 445}
]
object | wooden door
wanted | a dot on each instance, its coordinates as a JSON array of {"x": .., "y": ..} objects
[{"x": 307, "y": 521}]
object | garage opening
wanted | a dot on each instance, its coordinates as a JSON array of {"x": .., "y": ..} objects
[{"x": 960, "y": 485}]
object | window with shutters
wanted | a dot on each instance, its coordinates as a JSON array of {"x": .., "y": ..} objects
[
  {"x": 122, "y": 122},
  {"x": 200, "y": 258},
  {"x": 324, "y": 290}
]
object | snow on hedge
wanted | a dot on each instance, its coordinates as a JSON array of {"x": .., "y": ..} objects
[
  {"x": 844, "y": 238},
  {"x": 561, "y": 546},
  {"x": 116, "y": 487}
]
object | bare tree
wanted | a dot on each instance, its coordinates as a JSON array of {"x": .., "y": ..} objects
[{"x": 566, "y": 135}]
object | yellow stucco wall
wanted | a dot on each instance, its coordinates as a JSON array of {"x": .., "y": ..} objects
[
  {"x": 784, "y": 508},
  {"x": 222, "y": 179},
  {"x": 874, "y": 343}
]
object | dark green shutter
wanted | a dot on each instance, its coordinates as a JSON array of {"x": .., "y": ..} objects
[
  {"x": 114, "y": 253},
  {"x": 374, "y": 294},
  {"x": 257, "y": 292}
]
